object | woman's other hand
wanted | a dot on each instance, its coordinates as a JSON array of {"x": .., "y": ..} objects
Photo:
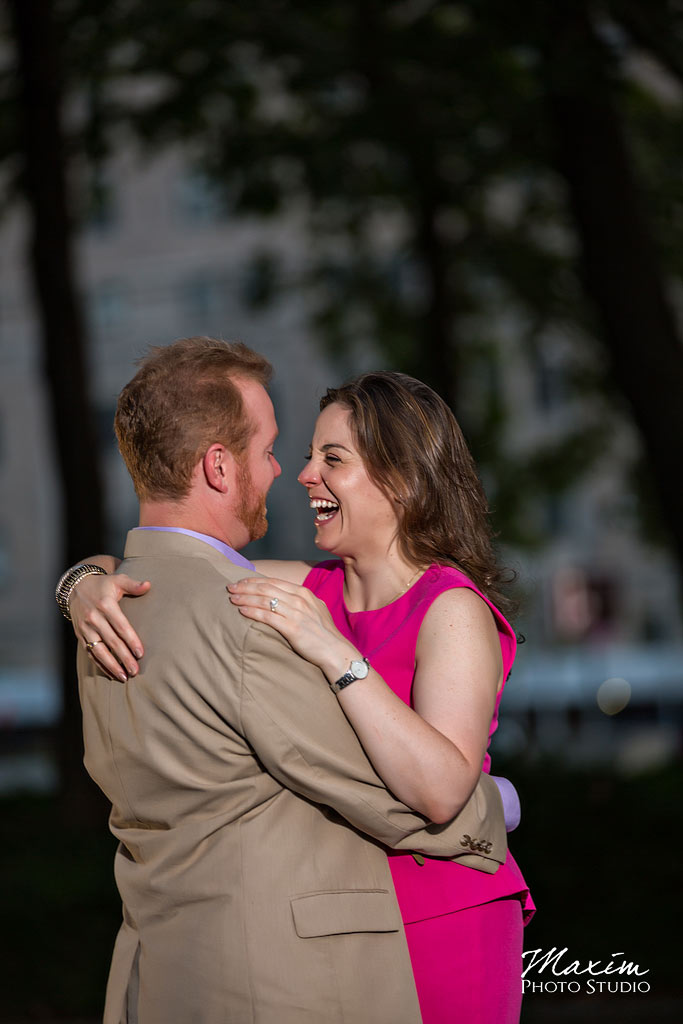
[
  {"x": 299, "y": 616},
  {"x": 101, "y": 626}
]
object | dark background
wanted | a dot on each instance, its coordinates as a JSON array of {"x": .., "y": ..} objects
[{"x": 471, "y": 180}]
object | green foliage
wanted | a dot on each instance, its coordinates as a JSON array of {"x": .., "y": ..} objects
[
  {"x": 524, "y": 485},
  {"x": 415, "y": 143}
]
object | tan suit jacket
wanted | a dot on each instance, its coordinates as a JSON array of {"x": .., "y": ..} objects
[{"x": 255, "y": 886}]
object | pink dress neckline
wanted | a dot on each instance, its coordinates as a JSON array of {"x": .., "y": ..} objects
[{"x": 384, "y": 607}]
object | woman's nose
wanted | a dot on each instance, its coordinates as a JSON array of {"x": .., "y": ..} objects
[{"x": 308, "y": 475}]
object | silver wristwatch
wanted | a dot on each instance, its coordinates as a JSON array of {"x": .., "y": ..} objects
[{"x": 357, "y": 670}]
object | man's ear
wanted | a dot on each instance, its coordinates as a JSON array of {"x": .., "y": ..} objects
[{"x": 219, "y": 468}]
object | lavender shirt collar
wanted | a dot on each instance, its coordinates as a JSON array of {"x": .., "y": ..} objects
[{"x": 225, "y": 549}]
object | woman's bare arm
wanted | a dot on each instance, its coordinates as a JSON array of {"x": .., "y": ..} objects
[
  {"x": 96, "y": 613},
  {"x": 293, "y": 572},
  {"x": 429, "y": 757},
  {"x": 109, "y": 563}
]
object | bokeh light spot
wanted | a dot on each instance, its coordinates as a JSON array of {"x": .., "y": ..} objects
[{"x": 613, "y": 695}]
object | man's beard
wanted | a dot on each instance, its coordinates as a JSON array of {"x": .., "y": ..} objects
[{"x": 251, "y": 510}]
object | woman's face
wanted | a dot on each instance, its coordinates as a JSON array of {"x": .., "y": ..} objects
[{"x": 353, "y": 517}]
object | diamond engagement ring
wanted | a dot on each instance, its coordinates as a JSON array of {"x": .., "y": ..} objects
[
  {"x": 274, "y": 602},
  {"x": 91, "y": 644}
]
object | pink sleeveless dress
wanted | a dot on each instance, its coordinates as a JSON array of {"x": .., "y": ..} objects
[{"x": 463, "y": 926}]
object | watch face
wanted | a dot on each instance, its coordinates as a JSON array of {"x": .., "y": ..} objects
[{"x": 360, "y": 669}]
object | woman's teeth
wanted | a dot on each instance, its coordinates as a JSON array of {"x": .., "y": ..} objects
[{"x": 325, "y": 509}]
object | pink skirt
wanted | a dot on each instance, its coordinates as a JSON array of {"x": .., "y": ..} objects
[{"x": 468, "y": 964}]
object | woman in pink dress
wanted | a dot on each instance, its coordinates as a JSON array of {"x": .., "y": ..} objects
[{"x": 412, "y": 593}]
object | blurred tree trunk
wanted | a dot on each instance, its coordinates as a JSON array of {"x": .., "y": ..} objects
[
  {"x": 434, "y": 356},
  {"x": 619, "y": 261},
  {"x": 50, "y": 256},
  {"x": 436, "y": 360}
]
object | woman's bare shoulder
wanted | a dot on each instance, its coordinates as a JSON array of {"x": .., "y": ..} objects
[{"x": 460, "y": 612}]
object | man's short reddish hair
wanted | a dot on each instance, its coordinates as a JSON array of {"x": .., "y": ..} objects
[{"x": 182, "y": 400}]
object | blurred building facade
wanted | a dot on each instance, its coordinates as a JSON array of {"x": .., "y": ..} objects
[{"x": 160, "y": 261}]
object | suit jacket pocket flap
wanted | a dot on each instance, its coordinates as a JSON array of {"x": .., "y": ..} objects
[{"x": 335, "y": 913}]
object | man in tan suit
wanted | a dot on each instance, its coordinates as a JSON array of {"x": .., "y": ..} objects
[{"x": 252, "y": 827}]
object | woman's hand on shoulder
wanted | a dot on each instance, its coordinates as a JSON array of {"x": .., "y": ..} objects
[
  {"x": 302, "y": 618},
  {"x": 98, "y": 620}
]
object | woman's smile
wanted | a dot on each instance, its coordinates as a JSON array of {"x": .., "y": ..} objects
[
  {"x": 352, "y": 514},
  {"x": 325, "y": 510}
]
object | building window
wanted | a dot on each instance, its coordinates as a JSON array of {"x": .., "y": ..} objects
[
  {"x": 203, "y": 301},
  {"x": 5, "y": 560},
  {"x": 550, "y": 381},
  {"x": 260, "y": 281},
  {"x": 199, "y": 200},
  {"x": 101, "y": 214},
  {"x": 104, "y": 425},
  {"x": 109, "y": 306}
]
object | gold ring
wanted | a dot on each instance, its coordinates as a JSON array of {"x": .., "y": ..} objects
[{"x": 92, "y": 643}]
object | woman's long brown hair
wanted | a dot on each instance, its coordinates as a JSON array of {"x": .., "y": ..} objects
[{"x": 414, "y": 450}]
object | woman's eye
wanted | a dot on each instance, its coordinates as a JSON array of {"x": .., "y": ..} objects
[{"x": 329, "y": 458}]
